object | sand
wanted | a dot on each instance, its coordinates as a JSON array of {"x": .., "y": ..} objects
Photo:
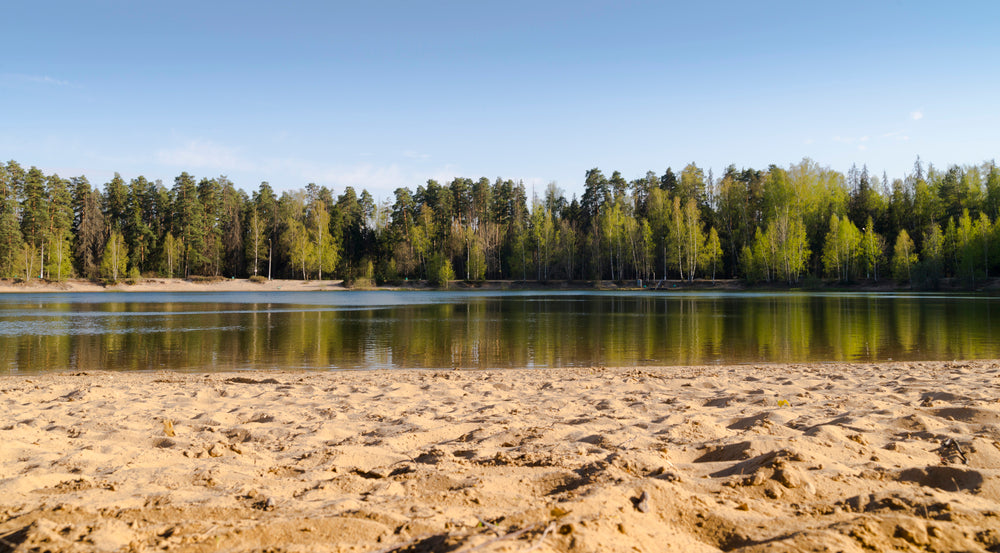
[
  {"x": 170, "y": 285},
  {"x": 826, "y": 457}
]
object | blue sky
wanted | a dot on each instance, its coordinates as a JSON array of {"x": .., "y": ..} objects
[{"x": 379, "y": 95}]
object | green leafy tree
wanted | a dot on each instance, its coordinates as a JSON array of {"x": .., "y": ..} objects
[
  {"x": 256, "y": 244},
  {"x": 114, "y": 263},
  {"x": 933, "y": 253},
  {"x": 712, "y": 253},
  {"x": 440, "y": 270},
  {"x": 173, "y": 253},
  {"x": 231, "y": 222},
  {"x": 265, "y": 205},
  {"x": 324, "y": 249},
  {"x": 476, "y": 264},
  {"x": 904, "y": 257},
  {"x": 840, "y": 249},
  {"x": 872, "y": 250},
  {"x": 984, "y": 234}
]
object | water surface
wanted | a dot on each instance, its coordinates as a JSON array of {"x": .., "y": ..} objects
[{"x": 382, "y": 329}]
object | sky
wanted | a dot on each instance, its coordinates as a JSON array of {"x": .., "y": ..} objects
[{"x": 385, "y": 94}]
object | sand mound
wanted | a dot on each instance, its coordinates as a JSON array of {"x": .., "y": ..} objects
[{"x": 785, "y": 458}]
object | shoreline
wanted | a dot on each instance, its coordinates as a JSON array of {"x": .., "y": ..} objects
[
  {"x": 856, "y": 457},
  {"x": 170, "y": 285}
]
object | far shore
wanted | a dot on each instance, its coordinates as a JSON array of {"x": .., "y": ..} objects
[{"x": 222, "y": 284}]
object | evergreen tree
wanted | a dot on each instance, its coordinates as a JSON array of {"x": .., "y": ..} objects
[
  {"x": 140, "y": 223},
  {"x": 116, "y": 200},
  {"x": 10, "y": 231},
  {"x": 34, "y": 215},
  {"x": 88, "y": 228},
  {"x": 210, "y": 200},
  {"x": 231, "y": 223},
  {"x": 189, "y": 224},
  {"x": 60, "y": 228}
]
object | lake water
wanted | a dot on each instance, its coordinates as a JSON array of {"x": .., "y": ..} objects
[{"x": 368, "y": 330}]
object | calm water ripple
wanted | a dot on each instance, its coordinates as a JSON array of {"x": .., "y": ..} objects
[{"x": 365, "y": 330}]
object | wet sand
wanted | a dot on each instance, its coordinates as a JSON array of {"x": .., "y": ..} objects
[{"x": 884, "y": 457}]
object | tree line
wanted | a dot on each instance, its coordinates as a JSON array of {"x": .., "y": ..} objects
[{"x": 772, "y": 225}]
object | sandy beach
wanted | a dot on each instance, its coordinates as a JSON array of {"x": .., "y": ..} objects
[
  {"x": 171, "y": 285},
  {"x": 888, "y": 457}
]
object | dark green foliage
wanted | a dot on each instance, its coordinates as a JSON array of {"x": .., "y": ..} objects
[
  {"x": 189, "y": 224},
  {"x": 88, "y": 228},
  {"x": 10, "y": 231}
]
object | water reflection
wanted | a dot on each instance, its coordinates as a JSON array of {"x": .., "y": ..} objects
[{"x": 481, "y": 330}]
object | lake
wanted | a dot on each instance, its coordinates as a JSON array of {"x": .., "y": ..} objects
[{"x": 469, "y": 329}]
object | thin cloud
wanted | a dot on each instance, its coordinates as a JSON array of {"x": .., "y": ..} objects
[
  {"x": 917, "y": 115},
  {"x": 20, "y": 78},
  {"x": 896, "y": 135},
  {"x": 201, "y": 154},
  {"x": 412, "y": 154}
]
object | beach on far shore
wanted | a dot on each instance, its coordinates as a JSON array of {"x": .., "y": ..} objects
[
  {"x": 800, "y": 457},
  {"x": 222, "y": 284},
  {"x": 171, "y": 285}
]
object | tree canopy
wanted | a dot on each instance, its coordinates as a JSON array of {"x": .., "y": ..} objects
[{"x": 772, "y": 225}]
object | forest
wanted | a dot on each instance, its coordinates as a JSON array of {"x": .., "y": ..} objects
[{"x": 778, "y": 225}]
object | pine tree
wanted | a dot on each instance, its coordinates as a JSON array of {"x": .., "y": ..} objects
[
  {"x": 139, "y": 233},
  {"x": 60, "y": 228},
  {"x": 189, "y": 224},
  {"x": 34, "y": 215},
  {"x": 10, "y": 231},
  {"x": 116, "y": 204},
  {"x": 88, "y": 228}
]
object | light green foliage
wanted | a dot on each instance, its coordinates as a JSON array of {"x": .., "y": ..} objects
[
  {"x": 841, "y": 249},
  {"x": 904, "y": 257},
  {"x": 780, "y": 252},
  {"x": 114, "y": 263},
  {"x": 476, "y": 262},
  {"x": 440, "y": 271},
  {"x": 872, "y": 250},
  {"x": 712, "y": 253},
  {"x": 173, "y": 254},
  {"x": 59, "y": 265},
  {"x": 932, "y": 253},
  {"x": 324, "y": 252}
]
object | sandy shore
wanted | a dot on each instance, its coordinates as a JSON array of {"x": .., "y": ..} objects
[
  {"x": 171, "y": 285},
  {"x": 777, "y": 458}
]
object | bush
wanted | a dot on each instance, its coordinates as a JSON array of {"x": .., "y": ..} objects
[
  {"x": 439, "y": 271},
  {"x": 198, "y": 279},
  {"x": 258, "y": 279}
]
